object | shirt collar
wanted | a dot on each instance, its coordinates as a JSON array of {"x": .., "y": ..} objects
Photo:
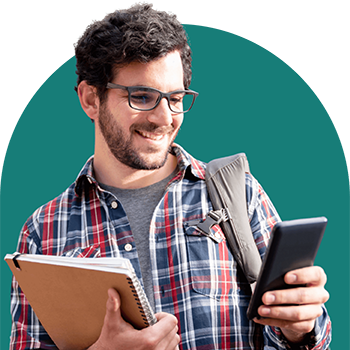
[
  {"x": 85, "y": 177},
  {"x": 186, "y": 164}
]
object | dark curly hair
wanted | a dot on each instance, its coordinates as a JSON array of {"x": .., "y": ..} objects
[{"x": 139, "y": 34}]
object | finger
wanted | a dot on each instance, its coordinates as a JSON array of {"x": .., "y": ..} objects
[
  {"x": 299, "y": 296},
  {"x": 166, "y": 322},
  {"x": 166, "y": 327},
  {"x": 161, "y": 315},
  {"x": 291, "y": 313},
  {"x": 174, "y": 345},
  {"x": 171, "y": 341},
  {"x": 313, "y": 275},
  {"x": 298, "y": 327}
]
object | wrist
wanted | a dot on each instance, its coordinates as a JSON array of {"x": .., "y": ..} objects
[
  {"x": 298, "y": 341},
  {"x": 294, "y": 337}
]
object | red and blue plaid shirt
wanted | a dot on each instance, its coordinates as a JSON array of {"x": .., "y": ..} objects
[{"x": 194, "y": 277}]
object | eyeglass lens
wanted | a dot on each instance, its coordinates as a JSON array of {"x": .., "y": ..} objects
[{"x": 146, "y": 99}]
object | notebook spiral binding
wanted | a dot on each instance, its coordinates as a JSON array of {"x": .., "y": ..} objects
[{"x": 144, "y": 305}]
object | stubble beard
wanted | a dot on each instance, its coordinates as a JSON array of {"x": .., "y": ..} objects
[{"x": 121, "y": 145}]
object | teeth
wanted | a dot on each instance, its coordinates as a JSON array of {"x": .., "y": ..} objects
[{"x": 151, "y": 136}]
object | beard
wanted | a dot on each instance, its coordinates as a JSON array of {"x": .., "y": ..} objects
[{"x": 121, "y": 145}]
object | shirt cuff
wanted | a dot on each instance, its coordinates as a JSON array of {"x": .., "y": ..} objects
[{"x": 308, "y": 343}]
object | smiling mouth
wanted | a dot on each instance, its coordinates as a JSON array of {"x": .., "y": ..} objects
[{"x": 151, "y": 136}]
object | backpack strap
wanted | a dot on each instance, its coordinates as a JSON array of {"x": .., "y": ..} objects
[{"x": 225, "y": 180}]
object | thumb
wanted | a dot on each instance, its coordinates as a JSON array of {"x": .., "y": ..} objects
[
  {"x": 113, "y": 322},
  {"x": 113, "y": 305}
]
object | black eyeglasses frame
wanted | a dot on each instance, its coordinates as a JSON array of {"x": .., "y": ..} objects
[{"x": 162, "y": 95}]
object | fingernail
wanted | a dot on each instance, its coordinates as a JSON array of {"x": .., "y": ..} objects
[
  {"x": 110, "y": 295},
  {"x": 264, "y": 311},
  {"x": 291, "y": 278},
  {"x": 270, "y": 298}
]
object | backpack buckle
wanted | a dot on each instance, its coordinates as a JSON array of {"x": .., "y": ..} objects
[{"x": 214, "y": 217}]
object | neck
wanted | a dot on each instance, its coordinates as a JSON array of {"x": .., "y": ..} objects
[{"x": 109, "y": 171}]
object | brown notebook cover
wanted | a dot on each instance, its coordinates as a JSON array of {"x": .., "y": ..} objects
[{"x": 69, "y": 295}]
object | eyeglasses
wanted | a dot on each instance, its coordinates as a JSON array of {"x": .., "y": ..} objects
[{"x": 144, "y": 98}]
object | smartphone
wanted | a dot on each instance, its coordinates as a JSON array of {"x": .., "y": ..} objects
[{"x": 293, "y": 245}]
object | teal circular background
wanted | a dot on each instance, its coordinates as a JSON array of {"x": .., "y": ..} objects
[{"x": 250, "y": 101}]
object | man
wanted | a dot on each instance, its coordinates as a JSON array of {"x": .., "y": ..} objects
[{"x": 139, "y": 197}]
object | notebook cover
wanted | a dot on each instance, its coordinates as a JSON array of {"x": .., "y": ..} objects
[{"x": 71, "y": 302}]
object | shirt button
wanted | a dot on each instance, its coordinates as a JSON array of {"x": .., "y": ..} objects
[
  {"x": 128, "y": 247},
  {"x": 114, "y": 205}
]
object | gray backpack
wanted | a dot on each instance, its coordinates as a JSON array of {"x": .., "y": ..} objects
[{"x": 225, "y": 179}]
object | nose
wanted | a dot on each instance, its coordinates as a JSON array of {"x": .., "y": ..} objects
[{"x": 162, "y": 114}]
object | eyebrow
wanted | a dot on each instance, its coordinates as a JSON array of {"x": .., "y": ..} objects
[{"x": 150, "y": 87}]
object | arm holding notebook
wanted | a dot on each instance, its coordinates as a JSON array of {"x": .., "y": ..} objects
[{"x": 117, "y": 333}]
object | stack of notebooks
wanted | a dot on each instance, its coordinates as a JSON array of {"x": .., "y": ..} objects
[{"x": 69, "y": 295}]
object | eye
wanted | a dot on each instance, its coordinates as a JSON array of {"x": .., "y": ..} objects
[
  {"x": 141, "y": 97},
  {"x": 176, "y": 98},
  {"x": 144, "y": 98}
]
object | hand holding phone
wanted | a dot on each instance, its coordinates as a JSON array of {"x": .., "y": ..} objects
[{"x": 293, "y": 245}]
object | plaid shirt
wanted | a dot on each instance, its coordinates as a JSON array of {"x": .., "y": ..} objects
[{"x": 195, "y": 278}]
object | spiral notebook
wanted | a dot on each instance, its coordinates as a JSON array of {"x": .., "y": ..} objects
[{"x": 69, "y": 295}]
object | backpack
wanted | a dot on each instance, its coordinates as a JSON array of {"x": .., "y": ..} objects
[{"x": 225, "y": 180}]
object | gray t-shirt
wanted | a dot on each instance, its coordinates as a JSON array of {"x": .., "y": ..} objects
[{"x": 139, "y": 205}]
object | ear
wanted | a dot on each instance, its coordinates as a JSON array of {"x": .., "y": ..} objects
[{"x": 89, "y": 100}]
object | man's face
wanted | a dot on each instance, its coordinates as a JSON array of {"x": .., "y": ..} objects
[{"x": 141, "y": 139}]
